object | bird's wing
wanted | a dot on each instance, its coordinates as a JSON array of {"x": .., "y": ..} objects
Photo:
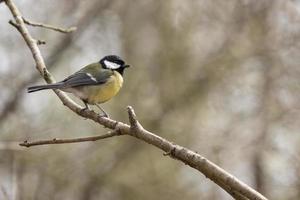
[{"x": 87, "y": 76}]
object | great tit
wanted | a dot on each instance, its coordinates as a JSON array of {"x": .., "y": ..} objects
[{"x": 94, "y": 84}]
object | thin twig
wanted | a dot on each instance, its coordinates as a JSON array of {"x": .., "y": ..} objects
[
  {"x": 48, "y": 26},
  {"x": 134, "y": 123},
  {"x": 14, "y": 24},
  {"x": 17, "y": 26},
  {"x": 73, "y": 140}
]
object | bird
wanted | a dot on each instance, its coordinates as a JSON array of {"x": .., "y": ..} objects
[{"x": 94, "y": 84}]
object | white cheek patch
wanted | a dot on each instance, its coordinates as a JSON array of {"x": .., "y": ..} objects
[
  {"x": 111, "y": 65},
  {"x": 91, "y": 76}
]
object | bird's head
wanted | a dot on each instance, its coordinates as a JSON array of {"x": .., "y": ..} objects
[{"x": 113, "y": 62}]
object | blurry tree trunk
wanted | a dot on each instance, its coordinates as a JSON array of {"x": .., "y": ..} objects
[
  {"x": 261, "y": 143},
  {"x": 264, "y": 53},
  {"x": 259, "y": 174}
]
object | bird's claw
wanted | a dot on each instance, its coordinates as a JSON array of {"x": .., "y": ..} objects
[
  {"x": 82, "y": 110},
  {"x": 104, "y": 114}
]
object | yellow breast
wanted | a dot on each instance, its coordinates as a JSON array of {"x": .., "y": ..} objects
[{"x": 106, "y": 91}]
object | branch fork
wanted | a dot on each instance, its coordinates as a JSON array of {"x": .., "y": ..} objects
[{"x": 135, "y": 126}]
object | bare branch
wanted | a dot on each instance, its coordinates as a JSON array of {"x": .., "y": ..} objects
[
  {"x": 134, "y": 123},
  {"x": 225, "y": 180},
  {"x": 113, "y": 133},
  {"x": 14, "y": 24},
  {"x": 48, "y": 26}
]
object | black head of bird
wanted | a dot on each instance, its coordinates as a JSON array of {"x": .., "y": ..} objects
[{"x": 113, "y": 62}]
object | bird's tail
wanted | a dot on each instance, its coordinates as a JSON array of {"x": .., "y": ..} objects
[{"x": 44, "y": 87}]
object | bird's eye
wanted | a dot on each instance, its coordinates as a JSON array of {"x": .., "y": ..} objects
[{"x": 111, "y": 65}]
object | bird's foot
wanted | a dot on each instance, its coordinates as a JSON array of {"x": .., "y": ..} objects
[
  {"x": 104, "y": 114},
  {"x": 86, "y": 108},
  {"x": 82, "y": 110}
]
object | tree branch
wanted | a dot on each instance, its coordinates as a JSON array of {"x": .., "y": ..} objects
[
  {"x": 48, "y": 26},
  {"x": 229, "y": 183},
  {"x": 14, "y": 24},
  {"x": 73, "y": 140}
]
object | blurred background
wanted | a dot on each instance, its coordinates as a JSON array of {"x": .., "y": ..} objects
[{"x": 219, "y": 77}]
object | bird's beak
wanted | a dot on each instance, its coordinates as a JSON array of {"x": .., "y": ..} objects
[{"x": 126, "y": 66}]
